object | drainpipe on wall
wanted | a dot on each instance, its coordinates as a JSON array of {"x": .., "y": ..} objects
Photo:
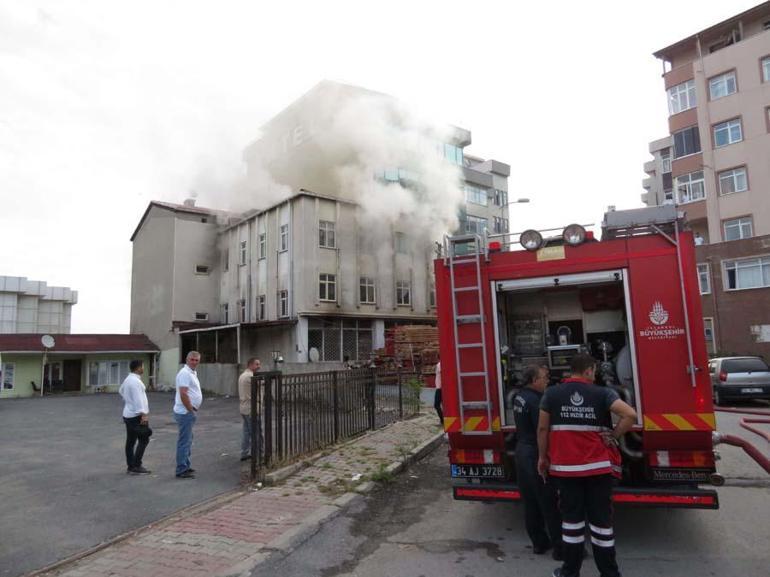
[
  {"x": 717, "y": 318},
  {"x": 711, "y": 163},
  {"x": 290, "y": 304},
  {"x": 238, "y": 344},
  {"x": 338, "y": 266}
]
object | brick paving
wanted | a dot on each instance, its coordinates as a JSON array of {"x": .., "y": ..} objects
[{"x": 224, "y": 539}]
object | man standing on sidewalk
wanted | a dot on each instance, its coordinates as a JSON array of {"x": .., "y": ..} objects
[
  {"x": 244, "y": 394},
  {"x": 578, "y": 446},
  {"x": 186, "y": 404},
  {"x": 136, "y": 413}
]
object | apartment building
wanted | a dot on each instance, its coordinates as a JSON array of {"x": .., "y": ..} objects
[
  {"x": 486, "y": 196},
  {"x": 715, "y": 165},
  {"x": 658, "y": 186},
  {"x": 311, "y": 276},
  {"x": 31, "y": 306}
]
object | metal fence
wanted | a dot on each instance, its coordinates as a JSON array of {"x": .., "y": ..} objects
[{"x": 299, "y": 414}]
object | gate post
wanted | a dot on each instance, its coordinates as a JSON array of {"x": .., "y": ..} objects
[
  {"x": 279, "y": 414},
  {"x": 255, "y": 452},
  {"x": 400, "y": 394},
  {"x": 371, "y": 391},
  {"x": 336, "y": 403},
  {"x": 267, "y": 399}
]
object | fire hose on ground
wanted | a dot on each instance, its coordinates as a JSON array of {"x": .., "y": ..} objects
[{"x": 722, "y": 438}]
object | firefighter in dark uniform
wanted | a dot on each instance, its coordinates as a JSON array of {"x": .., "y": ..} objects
[
  {"x": 541, "y": 513},
  {"x": 578, "y": 446}
]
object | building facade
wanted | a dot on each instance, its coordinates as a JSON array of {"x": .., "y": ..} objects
[
  {"x": 28, "y": 306},
  {"x": 717, "y": 84},
  {"x": 312, "y": 276}
]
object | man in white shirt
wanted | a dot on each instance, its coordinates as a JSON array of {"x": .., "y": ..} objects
[
  {"x": 187, "y": 401},
  {"x": 136, "y": 417},
  {"x": 244, "y": 395}
]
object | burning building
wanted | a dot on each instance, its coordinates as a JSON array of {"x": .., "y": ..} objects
[{"x": 327, "y": 241}]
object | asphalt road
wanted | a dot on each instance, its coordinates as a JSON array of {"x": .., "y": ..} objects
[
  {"x": 63, "y": 481},
  {"x": 413, "y": 528}
]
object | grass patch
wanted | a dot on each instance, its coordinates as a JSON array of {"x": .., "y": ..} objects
[{"x": 382, "y": 475}]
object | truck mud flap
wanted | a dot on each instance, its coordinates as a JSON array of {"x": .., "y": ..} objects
[{"x": 622, "y": 496}]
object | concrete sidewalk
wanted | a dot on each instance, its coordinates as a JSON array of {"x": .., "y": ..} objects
[{"x": 233, "y": 534}]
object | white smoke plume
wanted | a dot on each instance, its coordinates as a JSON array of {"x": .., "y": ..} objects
[{"x": 343, "y": 141}]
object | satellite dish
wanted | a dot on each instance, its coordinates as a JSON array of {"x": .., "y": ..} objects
[
  {"x": 48, "y": 341},
  {"x": 314, "y": 355}
]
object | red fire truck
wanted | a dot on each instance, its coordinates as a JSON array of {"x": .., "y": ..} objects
[{"x": 631, "y": 300}]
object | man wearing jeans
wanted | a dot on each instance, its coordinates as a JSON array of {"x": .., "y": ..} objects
[
  {"x": 244, "y": 394},
  {"x": 186, "y": 404}
]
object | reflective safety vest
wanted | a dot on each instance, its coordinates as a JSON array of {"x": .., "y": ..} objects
[{"x": 580, "y": 411}]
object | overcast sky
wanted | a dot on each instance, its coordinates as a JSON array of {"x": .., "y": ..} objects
[{"x": 107, "y": 105}]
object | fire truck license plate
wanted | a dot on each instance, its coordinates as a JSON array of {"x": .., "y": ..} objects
[{"x": 477, "y": 470}]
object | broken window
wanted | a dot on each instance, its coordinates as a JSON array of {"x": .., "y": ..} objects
[{"x": 403, "y": 292}]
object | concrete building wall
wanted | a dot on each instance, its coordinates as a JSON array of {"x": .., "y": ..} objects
[
  {"x": 195, "y": 244},
  {"x": 165, "y": 287},
  {"x": 152, "y": 278},
  {"x": 221, "y": 379}
]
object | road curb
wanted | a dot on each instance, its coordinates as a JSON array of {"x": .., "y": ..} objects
[{"x": 309, "y": 526}]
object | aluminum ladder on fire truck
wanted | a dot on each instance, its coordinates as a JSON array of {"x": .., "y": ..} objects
[{"x": 471, "y": 258}]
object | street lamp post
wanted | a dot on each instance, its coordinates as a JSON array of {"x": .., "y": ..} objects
[{"x": 507, "y": 204}]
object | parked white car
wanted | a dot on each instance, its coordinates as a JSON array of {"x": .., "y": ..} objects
[{"x": 734, "y": 378}]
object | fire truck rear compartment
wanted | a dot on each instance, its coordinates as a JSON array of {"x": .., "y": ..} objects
[{"x": 548, "y": 324}]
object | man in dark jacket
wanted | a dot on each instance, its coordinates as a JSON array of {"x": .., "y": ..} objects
[
  {"x": 541, "y": 513},
  {"x": 578, "y": 446}
]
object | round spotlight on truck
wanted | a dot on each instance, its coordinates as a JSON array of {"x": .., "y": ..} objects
[
  {"x": 574, "y": 234},
  {"x": 531, "y": 239}
]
